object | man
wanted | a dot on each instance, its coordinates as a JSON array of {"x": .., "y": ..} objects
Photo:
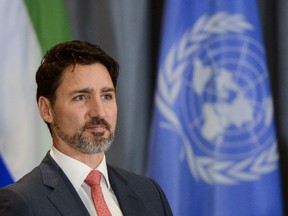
[{"x": 76, "y": 84}]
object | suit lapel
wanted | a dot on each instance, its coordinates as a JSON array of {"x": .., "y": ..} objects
[
  {"x": 67, "y": 201},
  {"x": 63, "y": 195},
  {"x": 129, "y": 201}
]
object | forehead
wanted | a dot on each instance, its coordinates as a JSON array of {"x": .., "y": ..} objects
[{"x": 86, "y": 76}]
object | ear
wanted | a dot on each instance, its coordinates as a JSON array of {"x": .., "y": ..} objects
[{"x": 45, "y": 109}]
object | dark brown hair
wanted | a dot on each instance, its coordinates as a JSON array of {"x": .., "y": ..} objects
[{"x": 63, "y": 55}]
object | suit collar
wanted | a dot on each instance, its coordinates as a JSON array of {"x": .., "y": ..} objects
[
  {"x": 66, "y": 199},
  {"x": 63, "y": 195},
  {"x": 128, "y": 199}
]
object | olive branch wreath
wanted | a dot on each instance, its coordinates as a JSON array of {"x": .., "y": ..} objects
[{"x": 170, "y": 80}]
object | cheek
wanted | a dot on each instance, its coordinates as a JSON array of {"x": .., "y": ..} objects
[
  {"x": 114, "y": 122},
  {"x": 68, "y": 121},
  {"x": 113, "y": 118}
]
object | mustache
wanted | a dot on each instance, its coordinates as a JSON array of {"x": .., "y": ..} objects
[{"x": 97, "y": 121}]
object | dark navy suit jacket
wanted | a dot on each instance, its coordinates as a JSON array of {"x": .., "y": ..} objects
[{"x": 47, "y": 191}]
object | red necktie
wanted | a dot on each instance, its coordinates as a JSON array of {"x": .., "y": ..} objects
[{"x": 93, "y": 180}]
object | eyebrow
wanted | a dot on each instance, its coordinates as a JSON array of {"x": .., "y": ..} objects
[
  {"x": 107, "y": 89},
  {"x": 85, "y": 90},
  {"x": 90, "y": 90}
]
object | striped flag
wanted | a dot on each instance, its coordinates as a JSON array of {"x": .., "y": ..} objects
[
  {"x": 213, "y": 145},
  {"x": 28, "y": 29}
]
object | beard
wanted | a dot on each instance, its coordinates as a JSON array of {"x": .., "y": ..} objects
[{"x": 98, "y": 143}]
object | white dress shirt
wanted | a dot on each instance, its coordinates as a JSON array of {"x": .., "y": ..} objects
[{"x": 77, "y": 172}]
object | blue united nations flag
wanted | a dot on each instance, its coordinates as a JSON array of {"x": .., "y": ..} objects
[{"x": 213, "y": 145}]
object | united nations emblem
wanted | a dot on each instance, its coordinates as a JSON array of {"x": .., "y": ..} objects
[{"x": 216, "y": 77}]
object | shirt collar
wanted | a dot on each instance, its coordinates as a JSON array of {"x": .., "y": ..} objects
[{"x": 75, "y": 170}]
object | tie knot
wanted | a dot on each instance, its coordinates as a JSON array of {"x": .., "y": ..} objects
[{"x": 93, "y": 178}]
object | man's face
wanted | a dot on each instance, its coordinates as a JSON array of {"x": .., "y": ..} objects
[{"x": 85, "y": 111}]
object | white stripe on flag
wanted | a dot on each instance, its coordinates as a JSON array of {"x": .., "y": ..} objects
[{"x": 20, "y": 123}]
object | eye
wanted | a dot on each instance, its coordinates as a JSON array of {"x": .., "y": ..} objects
[
  {"x": 107, "y": 97},
  {"x": 79, "y": 97}
]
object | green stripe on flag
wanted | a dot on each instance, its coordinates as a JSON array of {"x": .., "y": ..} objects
[{"x": 50, "y": 21}]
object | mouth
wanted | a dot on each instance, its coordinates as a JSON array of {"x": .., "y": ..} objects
[
  {"x": 97, "y": 125},
  {"x": 97, "y": 128}
]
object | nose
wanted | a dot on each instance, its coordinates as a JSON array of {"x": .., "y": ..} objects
[{"x": 96, "y": 108}]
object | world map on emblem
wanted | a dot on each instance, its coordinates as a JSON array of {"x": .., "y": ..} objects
[{"x": 229, "y": 110}]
